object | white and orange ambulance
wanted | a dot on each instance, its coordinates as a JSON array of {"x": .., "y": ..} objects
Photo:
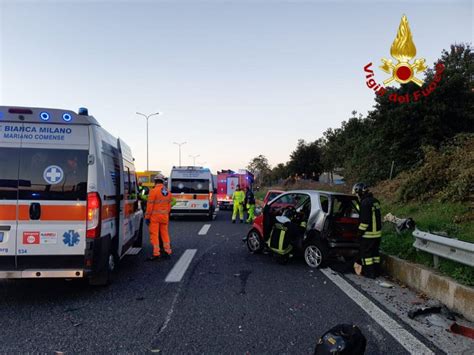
[
  {"x": 194, "y": 191},
  {"x": 68, "y": 196}
]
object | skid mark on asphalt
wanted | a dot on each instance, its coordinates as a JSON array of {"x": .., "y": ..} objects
[
  {"x": 178, "y": 270},
  {"x": 391, "y": 326},
  {"x": 169, "y": 315},
  {"x": 243, "y": 276},
  {"x": 204, "y": 229}
]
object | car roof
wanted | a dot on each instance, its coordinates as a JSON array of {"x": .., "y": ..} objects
[{"x": 315, "y": 193}]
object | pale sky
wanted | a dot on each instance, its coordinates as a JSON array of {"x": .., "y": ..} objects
[{"x": 233, "y": 78}]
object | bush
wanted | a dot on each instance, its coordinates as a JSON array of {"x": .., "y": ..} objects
[{"x": 446, "y": 174}]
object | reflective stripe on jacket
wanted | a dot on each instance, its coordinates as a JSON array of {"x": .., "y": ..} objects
[
  {"x": 370, "y": 217},
  {"x": 159, "y": 204},
  {"x": 279, "y": 240}
]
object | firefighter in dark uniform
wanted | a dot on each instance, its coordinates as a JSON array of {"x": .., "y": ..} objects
[
  {"x": 287, "y": 233},
  {"x": 370, "y": 229}
]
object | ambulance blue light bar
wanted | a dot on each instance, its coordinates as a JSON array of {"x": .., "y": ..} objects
[
  {"x": 67, "y": 117},
  {"x": 83, "y": 111},
  {"x": 45, "y": 116}
]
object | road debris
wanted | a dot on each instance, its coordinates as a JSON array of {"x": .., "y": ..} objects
[
  {"x": 462, "y": 330},
  {"x": 437, "y": 321},
  {"x": 423, "y": 310},
  {"x": 385, "y": 284},
  {"x": 73, "y": 309},
  {"x": 401, "y": 224}
]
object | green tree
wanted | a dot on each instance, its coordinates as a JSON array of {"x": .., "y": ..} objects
[
  {"x": 261, "y": 169},
  {"x": 279, "y": 172},
  {"x": 398, "y": 132},
  {"x": 305, "y": 160}
]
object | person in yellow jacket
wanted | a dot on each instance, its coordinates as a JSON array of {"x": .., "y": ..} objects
[
  {"x": 238, "y": 197},
  {"x": 157, "y": 217}
]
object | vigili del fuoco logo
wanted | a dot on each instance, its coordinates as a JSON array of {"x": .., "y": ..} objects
[{"x": 402, "y": 70}]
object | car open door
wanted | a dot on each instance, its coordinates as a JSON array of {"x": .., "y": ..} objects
[
  {"x": 343, "y": 220},
  {"x": 276, "y": 208}
]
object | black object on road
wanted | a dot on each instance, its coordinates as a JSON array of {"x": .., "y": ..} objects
[
  {"x": 343, "y": 339},
  {"x": 423, "y": 310}
]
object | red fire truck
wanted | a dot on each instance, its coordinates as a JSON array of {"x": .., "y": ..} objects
[{"x": 227, "y": 181}]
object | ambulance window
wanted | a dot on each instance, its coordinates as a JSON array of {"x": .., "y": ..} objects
[
  {"x": 53, "y": 174},
  {"x": 133, "y": 182},
  {"x": 190, "y": 186},
  {"x": 126, "y": 183},
  {"x": 9, "y": 159}
]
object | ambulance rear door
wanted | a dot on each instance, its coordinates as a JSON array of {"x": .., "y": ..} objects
[
  {"x": 52, "y": 197},
  {"x": 9, "y": 163}
]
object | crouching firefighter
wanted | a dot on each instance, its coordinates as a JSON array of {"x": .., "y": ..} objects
[
  {"x": 370, "y": 229},
  {"x": 157, "y": 217},
  {"x": 285, "y": 234}
]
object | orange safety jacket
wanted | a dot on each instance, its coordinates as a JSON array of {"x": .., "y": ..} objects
[{"x": 159, "y": 205}]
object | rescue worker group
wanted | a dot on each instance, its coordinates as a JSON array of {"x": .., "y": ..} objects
[{"x": 159, "y": 201}]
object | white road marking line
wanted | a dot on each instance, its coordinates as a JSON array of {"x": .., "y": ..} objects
[
  {"x": 178, "y": 270},
  {"x": 204, "y": 229},
  {"x": 396, "y": 330},
  {"x": 217, "y": 209}
]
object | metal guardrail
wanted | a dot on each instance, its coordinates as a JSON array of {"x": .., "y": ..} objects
[{"x": 438, "y": 246}]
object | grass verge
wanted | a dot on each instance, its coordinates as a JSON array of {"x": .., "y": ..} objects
[{"x": 449, "y": 217}]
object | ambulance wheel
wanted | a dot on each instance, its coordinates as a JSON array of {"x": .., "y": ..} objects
[
  {"x": 254, "y": 242},
  {"x": 103, "y": 276},
  {"x": 139, "y": 241},
  {"x": 315, "y": 253}
]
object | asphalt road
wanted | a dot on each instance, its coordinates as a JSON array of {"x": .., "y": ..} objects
[{"x": 228, "y": 301}]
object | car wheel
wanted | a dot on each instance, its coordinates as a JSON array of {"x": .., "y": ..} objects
[
  {"x": 315, "y": 254},
  {"x": 254, "y": 242}
]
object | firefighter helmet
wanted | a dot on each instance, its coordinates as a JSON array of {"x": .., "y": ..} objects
[
  {"x": 159, "y": 178},
  {"x": 360, "y": 189},
  {"x": 343, "y": 339}
]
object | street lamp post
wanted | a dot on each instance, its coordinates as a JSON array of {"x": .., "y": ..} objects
[
  {"x": 147, "y": 117},
  {"x": 194, "y": 158},
  {"x": 179, "y": 145}
]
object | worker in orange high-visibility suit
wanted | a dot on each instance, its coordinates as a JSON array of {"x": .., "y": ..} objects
[{"x": 157, "y": 217}]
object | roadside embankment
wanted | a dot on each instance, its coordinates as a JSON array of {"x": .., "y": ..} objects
[{"x": 455, "y": 296}]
